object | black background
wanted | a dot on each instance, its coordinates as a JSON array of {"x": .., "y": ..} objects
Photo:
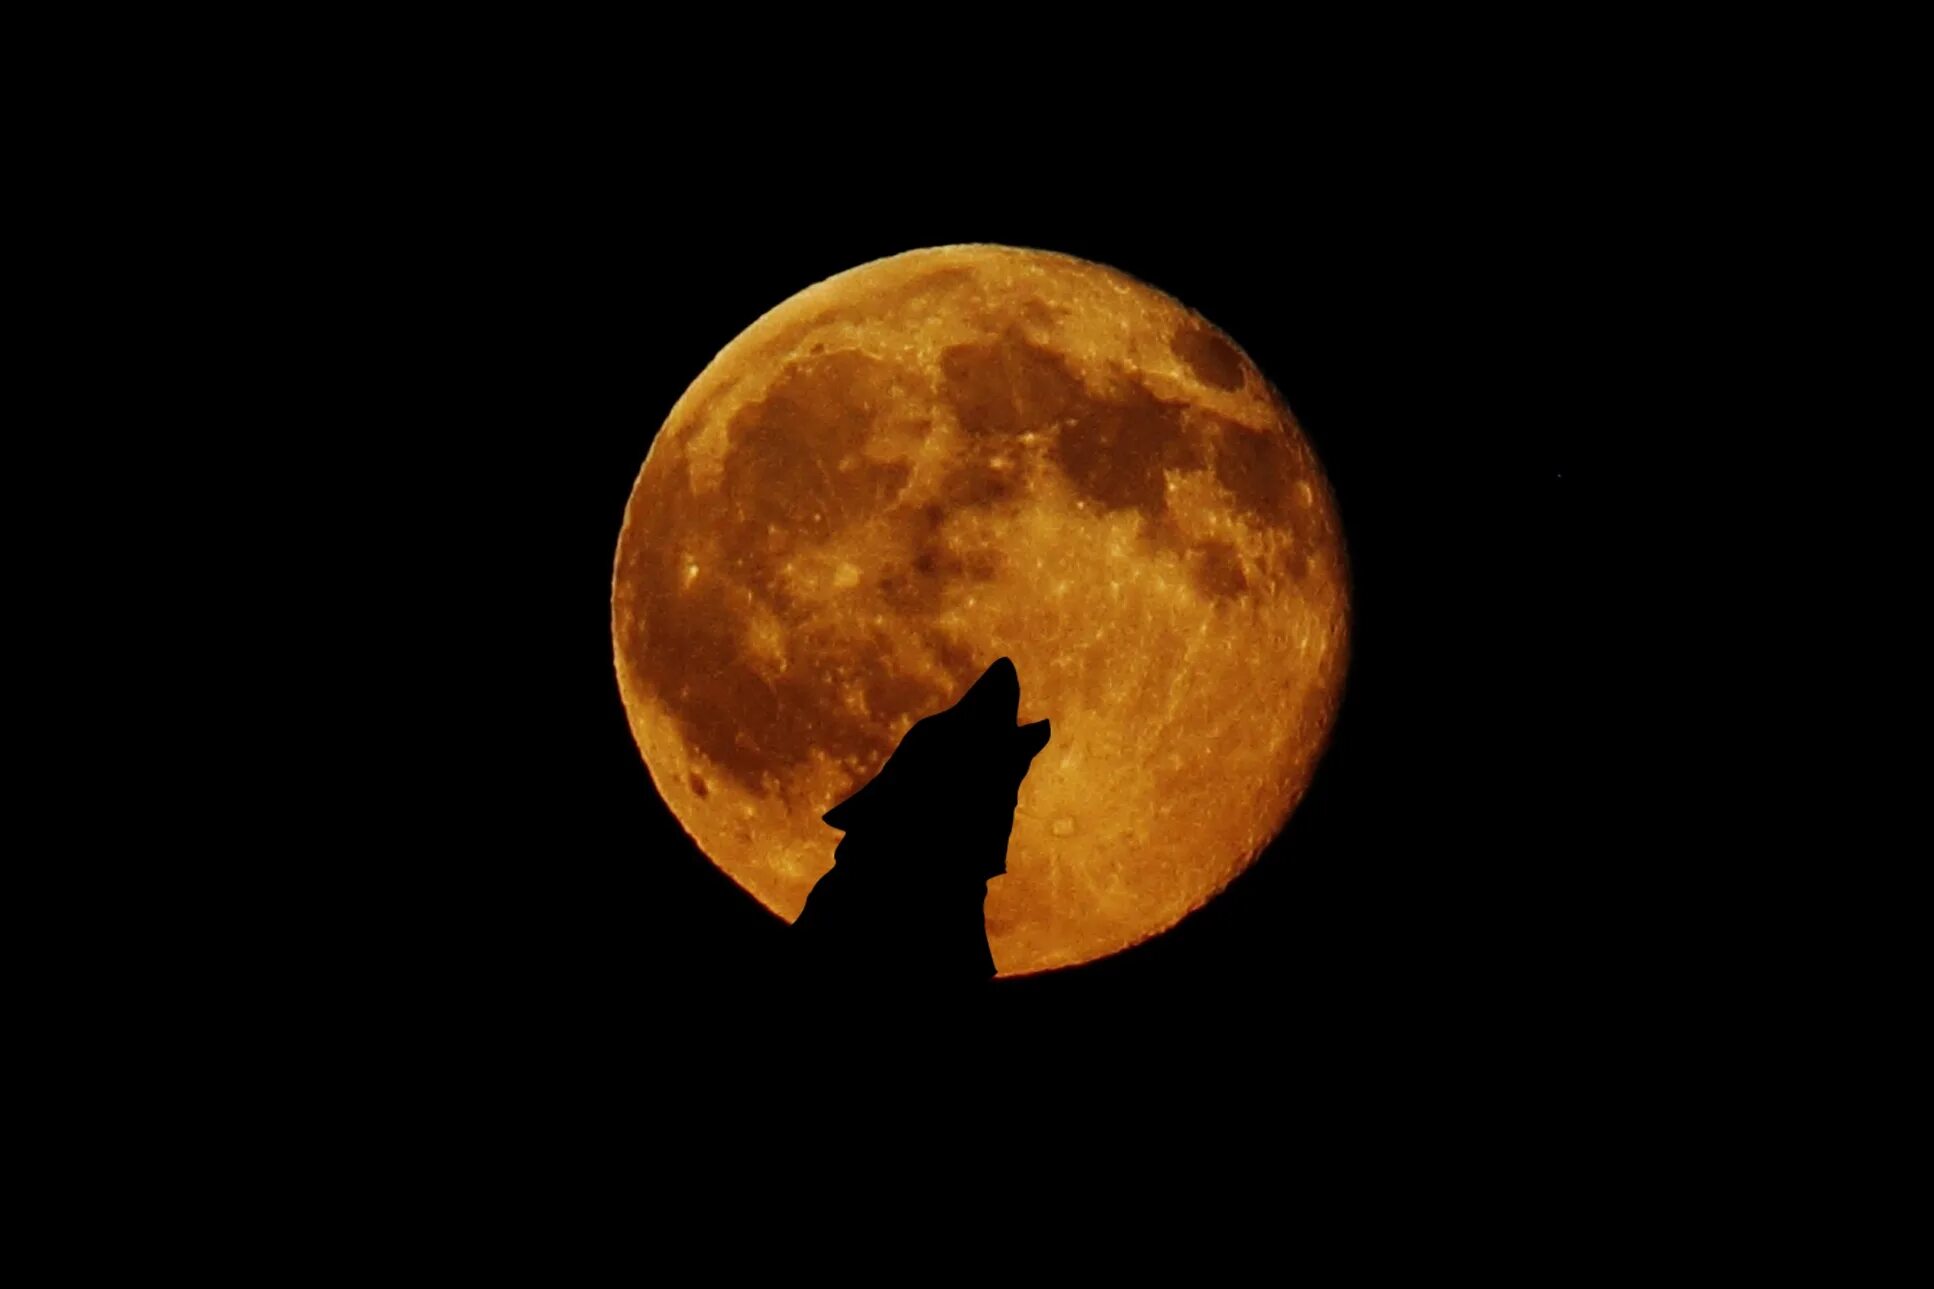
[
  {"x": 1438, "y": 897},
  {"x": 428, "y": 306}
]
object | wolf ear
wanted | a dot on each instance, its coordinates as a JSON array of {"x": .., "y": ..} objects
[
  {"x": 870, "y": 798},
  {"x": 842, "y": 815},
  {"x": 1030, "y": 739}
]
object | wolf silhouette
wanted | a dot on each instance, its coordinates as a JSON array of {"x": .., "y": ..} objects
[{"x": 901, "y": 910}]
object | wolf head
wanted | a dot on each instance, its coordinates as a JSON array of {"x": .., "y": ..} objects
[{"x": 951, "y": 786}]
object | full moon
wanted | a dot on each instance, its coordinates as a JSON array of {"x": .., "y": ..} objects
[{"x": 938, "y": 459}]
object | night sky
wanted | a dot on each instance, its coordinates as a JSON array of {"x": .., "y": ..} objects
[{"x": 1436, "y": 890}]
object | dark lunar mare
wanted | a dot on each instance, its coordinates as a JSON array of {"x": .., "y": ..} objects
[{"x": 900, "y": 912}]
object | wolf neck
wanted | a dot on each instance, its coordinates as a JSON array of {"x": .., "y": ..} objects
[{"x": 900, "y": 866}]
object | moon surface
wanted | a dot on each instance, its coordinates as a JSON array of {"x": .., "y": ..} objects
[{"x": 928, "y": 462}]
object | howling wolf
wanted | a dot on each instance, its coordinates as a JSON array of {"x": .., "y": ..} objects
[{"x": 901, "y": 908}]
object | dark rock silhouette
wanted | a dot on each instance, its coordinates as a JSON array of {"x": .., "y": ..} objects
[{"x": 901, "y": 911}]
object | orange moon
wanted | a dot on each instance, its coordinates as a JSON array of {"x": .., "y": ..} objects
[{"x": 928, "y": 462}]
